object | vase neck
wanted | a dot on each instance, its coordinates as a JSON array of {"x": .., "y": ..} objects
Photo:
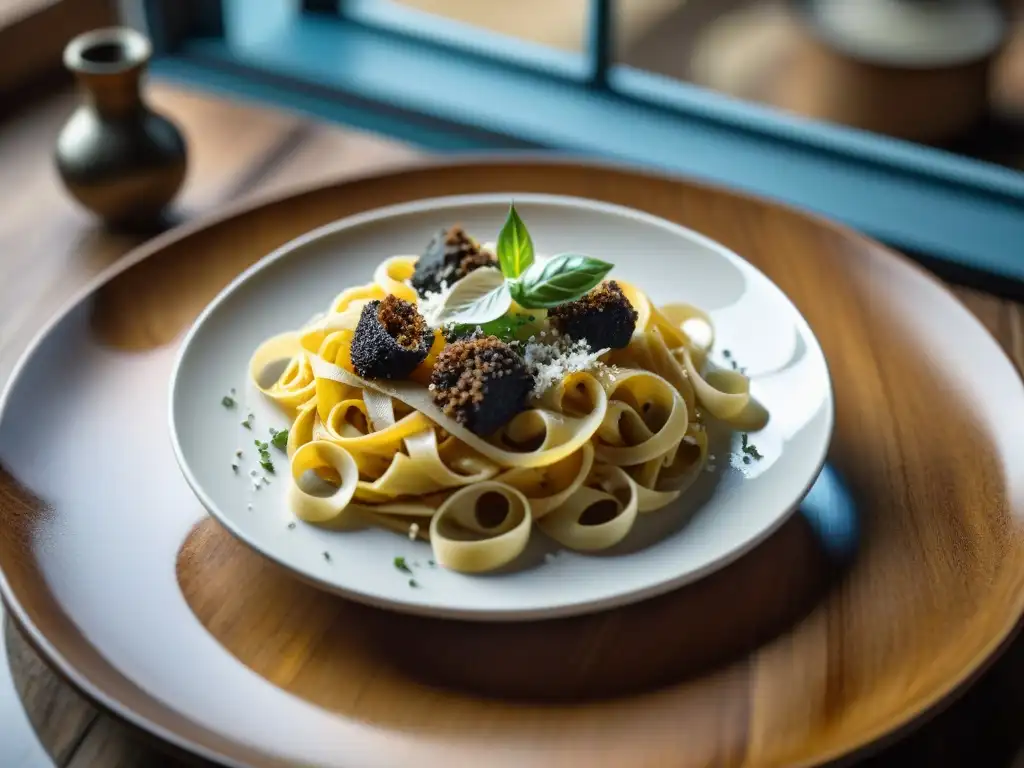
[
  {"x": 113, "y": 95},
  {"x": 109, "y": 64}
]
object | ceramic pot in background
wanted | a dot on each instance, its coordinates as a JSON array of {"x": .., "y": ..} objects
[
  {"x": 117, "y": 157},
  {"x": 914, "y": 69}
]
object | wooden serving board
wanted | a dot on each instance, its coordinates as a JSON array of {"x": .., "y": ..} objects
[{"x": 848, "y": 625}]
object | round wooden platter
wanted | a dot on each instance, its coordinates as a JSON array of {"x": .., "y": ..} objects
[{"x": 902, "y": 577}]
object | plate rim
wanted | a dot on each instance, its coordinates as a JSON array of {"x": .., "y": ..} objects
[
  {"x": 491, "y": 615},
  {"x": 872, "y": 740}
]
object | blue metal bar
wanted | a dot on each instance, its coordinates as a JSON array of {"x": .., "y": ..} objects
[
  {"x": 330, "y": 7},
  {"x": 168, "y": 23},
  {"x": 325, "y": 104},
  {"x": 600, "y": 41}
]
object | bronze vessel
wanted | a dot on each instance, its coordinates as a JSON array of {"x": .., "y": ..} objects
[{"x": 115, "y": 155}]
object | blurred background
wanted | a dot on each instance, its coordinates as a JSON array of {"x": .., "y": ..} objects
[
  {"x": 942, "y": 72},
  {"x": 706, "y": 88},
  {"x": 945, "y": 76}
]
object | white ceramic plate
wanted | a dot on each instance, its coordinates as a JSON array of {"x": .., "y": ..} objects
[{"x": 731, "y": 508}]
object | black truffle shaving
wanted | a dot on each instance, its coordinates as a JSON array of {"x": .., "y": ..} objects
[
  {"x": 390, "y": 340},
  {"x": 449, "y": 257},
  {"x": 604, "y": 318},
  {"x": 481, "y": 383}
]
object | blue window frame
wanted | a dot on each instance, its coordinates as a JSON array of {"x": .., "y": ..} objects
[{"x": 376, "y": 65}]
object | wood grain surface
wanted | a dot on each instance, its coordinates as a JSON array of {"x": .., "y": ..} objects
[
  {"x": 943, "y": 537},
  {"x": 49, "y": 249},
  {"x": 838, "y": 657}
]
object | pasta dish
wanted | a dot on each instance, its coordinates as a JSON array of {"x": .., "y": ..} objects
[{"x": 477, "y": 395}]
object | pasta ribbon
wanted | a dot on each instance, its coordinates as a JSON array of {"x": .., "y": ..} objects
[
  {"x": 682, "y": 468},
  {"x": 646, "y": 418},
  {"x": 314, "y": 456},
  {"x": 695, "y": 326},
  {"x": 294, "y": 384},
  {"x": 391, "y": 276},
  {"x": 481, "y": 528},
  {"x": 513, "y": 451},
  {"x": 589, "y": 454},
  {"x": 549, "y": 487},
  {"x": 384, "y": 442},
  {"x": 724, "y": 393},
  {"x": 598, "y": 517},
  {"x": 336, "y": 348}
]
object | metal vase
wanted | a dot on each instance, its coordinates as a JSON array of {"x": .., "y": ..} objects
[{"x": 115, "y": 155}]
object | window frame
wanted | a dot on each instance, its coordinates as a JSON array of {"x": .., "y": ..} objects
[{"x": 964, "y": 218}]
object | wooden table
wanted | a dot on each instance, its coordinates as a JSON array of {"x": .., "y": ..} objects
[{"x": 48, "y": 249}]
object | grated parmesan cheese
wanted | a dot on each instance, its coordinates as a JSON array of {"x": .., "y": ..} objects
[
  {"x": 551, "y": 360},
  {"x": 431, "y": 305}
]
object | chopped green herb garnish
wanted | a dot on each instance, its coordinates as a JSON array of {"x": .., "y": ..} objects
[
  {"x": 749, "y": 448},
  {"x": 227, "y": 401},
  {"x": 279, "y": 439},
  {"x": 401, "y": 565},
  {"x": 431, "y": 563},
  {"x": 507, "y": 328},
  {"x": 291, "y": 526},
  {"x": 747, "y": 459},
  {"x": 327, "y": 556},
  {"x": 412, "y": 583},
  {"x": 246, "y": 423},
  {"x": 726, "y": 354},
  {"x": 234, "y": 467},
  {"x": 265, "y": 460}
]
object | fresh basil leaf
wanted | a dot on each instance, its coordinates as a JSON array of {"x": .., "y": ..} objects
[
  {"x": 469, "y": 290},
  {"x": 483, "y": 309},
  {"x": 563, "y": 278},
  {"x": 515, "y": 247}
]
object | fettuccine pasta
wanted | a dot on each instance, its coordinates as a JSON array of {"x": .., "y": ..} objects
[{"x": 575, "y": 408}]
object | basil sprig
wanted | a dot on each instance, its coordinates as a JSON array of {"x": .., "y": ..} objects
[
  {"x": 515, "y": 246},
  {"x": 564, "y": 278},
  {"x": 484, "y": 295}
]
